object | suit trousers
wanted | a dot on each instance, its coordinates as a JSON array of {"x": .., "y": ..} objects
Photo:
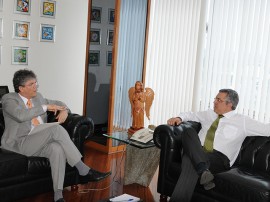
[
  {"x": 194, "y": 155},
  {"x": 53, "y": 142}
]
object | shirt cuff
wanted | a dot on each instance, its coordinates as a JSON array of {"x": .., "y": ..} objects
[{"x": 44, "y": 108}]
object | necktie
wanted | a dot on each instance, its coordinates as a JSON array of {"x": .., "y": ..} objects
[
  {"x": 35, "y": 121},
  {"x": 209, "y": 139}
]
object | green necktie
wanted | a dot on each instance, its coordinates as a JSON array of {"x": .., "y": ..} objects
[{"x": 209, "y": 139}]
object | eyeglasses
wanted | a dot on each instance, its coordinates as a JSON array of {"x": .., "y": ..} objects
[
  {"x": 219, "y": 100},
  {"x": 31, "y": 85}
]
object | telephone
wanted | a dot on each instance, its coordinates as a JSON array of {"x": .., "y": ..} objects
[{"x": 143, "y": 135}]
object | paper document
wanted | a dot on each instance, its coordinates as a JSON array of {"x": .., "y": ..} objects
[
  {"x": 42, "y": 126},
  {"x": 125, "y": 198}
]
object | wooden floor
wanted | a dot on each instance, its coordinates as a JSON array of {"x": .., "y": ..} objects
[{"x": 112, "y": 186}]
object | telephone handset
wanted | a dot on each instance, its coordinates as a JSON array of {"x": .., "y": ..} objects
[{"x": 143, "y": 135}]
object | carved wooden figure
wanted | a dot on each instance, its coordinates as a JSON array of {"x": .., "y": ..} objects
[{"x": 141, "y": 100}]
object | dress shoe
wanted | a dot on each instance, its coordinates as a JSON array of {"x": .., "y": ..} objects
[
  {"x": 93, "y": 176},
  {"x": 60, "y": 200}
]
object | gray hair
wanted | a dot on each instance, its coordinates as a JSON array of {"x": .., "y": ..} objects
[
  {"x": 232, "y": 97},
  {"x": 21, "y": 77}
]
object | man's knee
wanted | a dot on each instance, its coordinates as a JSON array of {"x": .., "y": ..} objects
[{"x": 189, "y": 134}]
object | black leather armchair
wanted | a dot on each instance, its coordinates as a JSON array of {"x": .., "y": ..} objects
[
  {"x": 22, "y": 176},
  {"x": 248, "y": 180}
]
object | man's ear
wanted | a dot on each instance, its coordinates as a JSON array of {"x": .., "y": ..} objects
[
  {"x": 20, "y": 88},
  {"x": 230, "y": 105}
]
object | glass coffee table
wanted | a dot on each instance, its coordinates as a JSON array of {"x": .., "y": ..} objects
[
  {"x": 142, "y": 159},
  {"x": 122, "y": 137}
]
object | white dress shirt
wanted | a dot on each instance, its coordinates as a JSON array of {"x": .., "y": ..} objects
[{"x": 232, "y": 129}]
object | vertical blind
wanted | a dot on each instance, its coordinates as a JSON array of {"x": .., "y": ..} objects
[
  {"x": 171, "y": 56},
  {"x": 129, "y": 57},
  {"x": 237, "y": 55}
]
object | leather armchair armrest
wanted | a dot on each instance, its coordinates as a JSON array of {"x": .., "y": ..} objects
[
  {"x": 79, "y": 128},
  {"x": 166, "y": 136}
]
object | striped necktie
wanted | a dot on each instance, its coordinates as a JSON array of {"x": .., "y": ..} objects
[
  {"x": 209, "y": 139},
  {"x": 35, "y": 121}
]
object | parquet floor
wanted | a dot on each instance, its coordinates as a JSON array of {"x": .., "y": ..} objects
[{"x": 112, "y": 186}]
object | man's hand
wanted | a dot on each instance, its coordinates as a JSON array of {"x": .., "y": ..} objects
[
  {"x": 175, "y": 121},
  {"x": 55, "y": 108},
  {"x": 62, "y": 116}
]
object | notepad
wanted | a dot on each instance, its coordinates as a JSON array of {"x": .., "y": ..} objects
[{"x": 125, "y": 198}]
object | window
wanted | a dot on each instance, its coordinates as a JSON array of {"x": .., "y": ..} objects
[{"x": 237, "y": 55}]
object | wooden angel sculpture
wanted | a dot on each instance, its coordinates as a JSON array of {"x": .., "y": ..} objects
[{"x": 141, "y": 100}]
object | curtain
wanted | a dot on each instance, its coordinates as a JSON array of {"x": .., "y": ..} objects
[
  {"x": 236, "y": 55},
  {"x": 171, "y": 56},
  {"x": 130, "y": 57}
]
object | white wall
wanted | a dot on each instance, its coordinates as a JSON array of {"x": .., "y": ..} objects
[{"x": 60, "y": 66}]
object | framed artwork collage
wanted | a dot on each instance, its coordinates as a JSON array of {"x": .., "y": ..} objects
[
  {"x": 97, "y": 37},
  {"x": 21, "y": 29}
]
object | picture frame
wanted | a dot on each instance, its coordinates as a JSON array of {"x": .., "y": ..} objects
[
  {"x": 96, "y": 14},
  {"x": 1, "y": 27},
  {"x": 19, "y": 55},
  {"x": 110, "y": 37},
  {"x": 22, "y": 7},
  {"x": 21, "y": 30},
  {"x": 47, "y": 33},
  {"x": 95, "y": 36},
  {"x": 109, "y": 58},
  {"x": 47, "y": 8},
  {"x": 111, "y": 16},
  {"x": 94, "y": 57},
  {"x": 1, "y": 5}
]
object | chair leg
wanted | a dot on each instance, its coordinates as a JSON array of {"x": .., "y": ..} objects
[{"x": 163, "y": 198}]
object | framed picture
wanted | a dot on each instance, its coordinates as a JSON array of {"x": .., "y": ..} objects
[
  {"x": 47, "y": 8},
  {"x": 96, "y": 14},
  {"x": 1, "y": 27},
  {"x": 47, "y": 32},
  {"x": 111, "y": 15},
  {"x": 110, "y": 37},
  {"x": 21, "y": 30},
  {"x": 19, "y": 55},
  {"x": 22, "y": 6},
  {"x": 1, "y": 5},
  {"x": 94, "y": 57},
  {"x": 95, "y": 36},
  {"x": 109, "y": 58}
]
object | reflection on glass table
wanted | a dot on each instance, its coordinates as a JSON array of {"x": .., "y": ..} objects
[{"x": 120, "y": 137}]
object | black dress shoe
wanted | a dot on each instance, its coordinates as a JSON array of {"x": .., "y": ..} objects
[
  {"x": 60, "y": 200},
  {"x": 93, "y": 176}
]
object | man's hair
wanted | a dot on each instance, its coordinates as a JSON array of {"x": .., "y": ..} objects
[
  {"x": 232, "y": 97},
  {"x": 21, "y": 77}
]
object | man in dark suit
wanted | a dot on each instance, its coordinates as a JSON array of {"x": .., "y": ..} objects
[
  {"x": 27, "y": 132},
  {"x": 216, "y": 147}
]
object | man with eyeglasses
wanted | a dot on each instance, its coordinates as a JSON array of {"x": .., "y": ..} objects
[
  {"x": 25, "y": 132},
  {"x": 215, "y": 148}
]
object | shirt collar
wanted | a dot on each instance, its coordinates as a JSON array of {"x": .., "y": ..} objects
[
  {"x": 229, "y": 114},
  {"x": 24, "y": 99}
]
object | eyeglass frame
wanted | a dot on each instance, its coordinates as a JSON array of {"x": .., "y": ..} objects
[{"x": 31, "y": 85}]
